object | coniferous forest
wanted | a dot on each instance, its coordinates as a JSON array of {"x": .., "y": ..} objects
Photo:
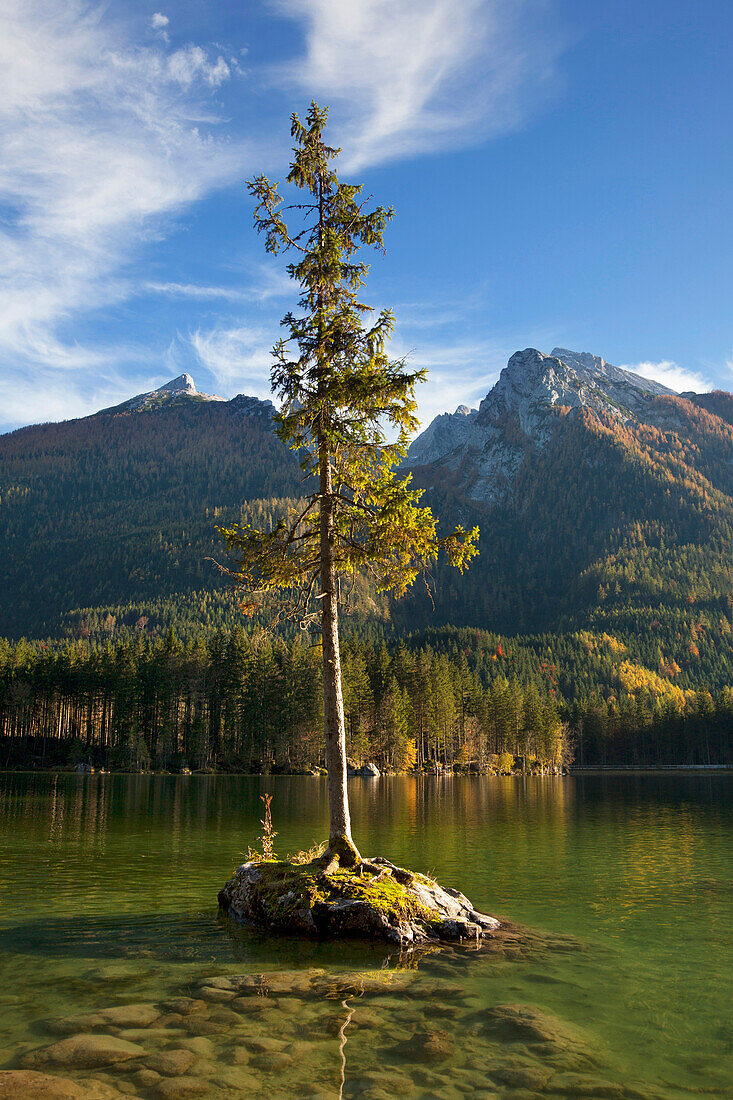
[
  {"x": 464, "y": 699},
  {"x": 595, "y": 624}
]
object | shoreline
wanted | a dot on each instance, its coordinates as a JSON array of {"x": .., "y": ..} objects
[
  {"x": 649, "y": 769},
  {"x": 572, "y": 772}
]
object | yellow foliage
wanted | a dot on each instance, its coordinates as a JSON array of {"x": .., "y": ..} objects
[
  {"x": 633, "y": 678},
  {"x": 596, "y": 643}
]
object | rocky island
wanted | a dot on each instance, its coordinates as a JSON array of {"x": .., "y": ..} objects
[{"x": 374, "y": 899}]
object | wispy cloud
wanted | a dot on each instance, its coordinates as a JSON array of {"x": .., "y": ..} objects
[
  {"x": 239, "y": 358},
  {"x": 101, "y": 140},
  {"x": 191, "y": 290},
  {"x": 671, "y": 374},
  {"x": 41, "y": 396},
  {"x": 459, "y": 372},
  {"x": 729, "y": 363},
  {"x": 264, "y": 283},
  {"x": 409, "y": 76}
]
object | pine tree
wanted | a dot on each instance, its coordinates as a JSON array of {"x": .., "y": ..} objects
[{"x": 340, "y": 395}]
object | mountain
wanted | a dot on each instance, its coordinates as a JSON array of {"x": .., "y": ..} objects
[
  {"x": 118, "y": 509},
  {"x": 488, "y": 445},
  {"x": 181, "y": 388},
  {"x": 605, "y": 503}
]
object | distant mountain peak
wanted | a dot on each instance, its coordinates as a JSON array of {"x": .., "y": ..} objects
[
  {"x": 183, "y": 384},
  {"x": 251, "y": 406},
  {"x": 489, "y": 445},
  {"x": 178, "y": 388}
]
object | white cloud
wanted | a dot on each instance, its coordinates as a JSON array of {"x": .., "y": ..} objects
[
  {"x": 101, "y": 140},
  {"x": 266, "y": 282},
  {"x": 191, "y": 290},
  {"x": 239, "y": 358},
  {"x": 192, "y": 63},
  {"x": 459, "y": 373},
  {"x": 416, "y": 75},
  {"x": 159, "y": 21},
  {"x": 40, "y": 397},
  {"x": 672, "y": 375}
]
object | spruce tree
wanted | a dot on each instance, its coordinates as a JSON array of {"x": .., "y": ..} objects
[{"x": 348, "y": 409}]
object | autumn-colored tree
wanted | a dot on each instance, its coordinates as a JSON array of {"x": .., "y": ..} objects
[{"x": 341, "y": 395}]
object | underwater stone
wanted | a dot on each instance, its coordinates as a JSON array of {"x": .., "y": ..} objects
[
  {"x": 171, "y": 1063},
  {"x": 84, "y": 1052},
  {"x": 23, "y": 1084}
]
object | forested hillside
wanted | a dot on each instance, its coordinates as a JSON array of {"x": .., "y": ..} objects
[
  {"x": 120, "y": 509},
  {"x": 605, "y": 575},
  {"x": 609, "y": 524}
]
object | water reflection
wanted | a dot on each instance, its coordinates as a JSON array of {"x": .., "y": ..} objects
[{"x": 108, "y": 885}]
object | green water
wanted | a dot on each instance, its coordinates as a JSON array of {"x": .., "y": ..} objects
[{"x": 108, "y": 897}]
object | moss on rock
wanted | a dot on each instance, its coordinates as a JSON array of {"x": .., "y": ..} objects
[{"x": 373, "y": 899}]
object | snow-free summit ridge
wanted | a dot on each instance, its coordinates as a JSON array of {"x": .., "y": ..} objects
[{"x": 488, "y": 444}]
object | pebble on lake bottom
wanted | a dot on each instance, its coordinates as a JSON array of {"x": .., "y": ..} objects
[{"x": 392, "y": 1032}]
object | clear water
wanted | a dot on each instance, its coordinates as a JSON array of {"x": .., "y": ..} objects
[{"x": 108, "y": 897}]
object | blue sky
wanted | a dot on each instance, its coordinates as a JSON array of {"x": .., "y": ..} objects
[{"x": 562, "y": 173}]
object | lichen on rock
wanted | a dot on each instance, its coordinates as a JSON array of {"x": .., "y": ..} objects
[{"x": 374, "y": 899}]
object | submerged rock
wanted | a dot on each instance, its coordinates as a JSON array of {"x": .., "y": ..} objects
[
  {"x": 432, "y": 1046},
  {"x": 375, "y": 900},
  {"x": 180, "y": 1088},
  {"x": 24, "y": 1084},
  {"x": 525, "y": 1023},
  {"x": 119, "y": 1016},
  {"x": 84, "y": 1052},
  {"x": 171, "y": 1063}
]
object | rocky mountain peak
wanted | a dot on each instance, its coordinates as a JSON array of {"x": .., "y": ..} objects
[
  {"x": 183, "y": 384},
  {"x": 178, "y": 388},
  {"x": 251, "y": 406},
  {"x": 584, "y": 363},
  {"x": 490, "y": 444}
]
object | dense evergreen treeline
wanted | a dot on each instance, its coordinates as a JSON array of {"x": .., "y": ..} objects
[{"x": 234, "y": 701}]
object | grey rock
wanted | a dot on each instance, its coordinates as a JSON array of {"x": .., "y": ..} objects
[
  {"x": 178, "y": 388},
  {"x": 442, "y": 436},
  {"x": 252, "y": 407},
  {"x": 484, "y": 449}
]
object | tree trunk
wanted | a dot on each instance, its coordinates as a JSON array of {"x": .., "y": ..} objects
[{"x": 340, "y": 843}]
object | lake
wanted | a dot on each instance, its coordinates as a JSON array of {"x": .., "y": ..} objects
[{"x": 622, "y": 986}]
